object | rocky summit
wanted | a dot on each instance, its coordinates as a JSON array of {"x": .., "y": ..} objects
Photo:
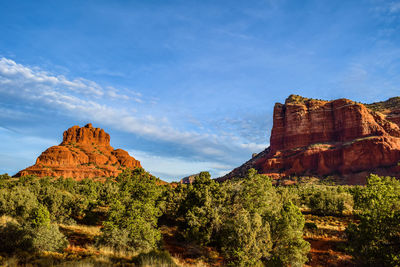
[
  {"x": 85, "y": 152},
  {"x": 341, "y": 138}
]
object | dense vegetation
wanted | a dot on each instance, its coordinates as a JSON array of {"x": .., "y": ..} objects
[
  {"x": 375, "y": 240},
  {"x": 248, "y": 220},
  {"x": 391, "y": 103},
  {"x": 127, "y": 207}
]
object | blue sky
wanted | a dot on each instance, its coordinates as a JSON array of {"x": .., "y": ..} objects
[{"x": 184, "y": 86}]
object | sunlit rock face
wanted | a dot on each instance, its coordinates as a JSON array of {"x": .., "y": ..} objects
[
  {"x": 339, "y": 137},
  {"x": 85, "y": 152}
]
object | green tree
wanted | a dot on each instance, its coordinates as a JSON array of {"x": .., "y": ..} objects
[
  {"x": 245, "y": 238},
  {"x": 248, "y": 219},
  {"x": 375, "y": 241},
  {"x": 289, "y": 247},
  {"x": 18, "y": 202},
  {"x": 201, "y": 208},
  {"x": 132, "y": 219},
  {"x": 40, "y": 216},
  {"x": 47, "y": 237}
]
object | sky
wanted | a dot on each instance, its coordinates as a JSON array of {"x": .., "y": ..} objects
[{"x": 184, "y": 86}]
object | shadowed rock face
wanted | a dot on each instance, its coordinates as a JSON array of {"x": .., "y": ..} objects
[
  {"x": 340, "y": 137},
  {"x": 85, "y": 152}
]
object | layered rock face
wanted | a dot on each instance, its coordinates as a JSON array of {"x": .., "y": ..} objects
[
  {"x": 85, "y": 152},
  {"x": 340, "y": 137}
]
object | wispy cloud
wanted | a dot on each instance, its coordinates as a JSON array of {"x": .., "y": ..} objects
[
  {"x": 86, "y": 100},
  {"x": 394, "y": 7},
  {"x": 12, "y": 158},
  {"x": 167, "y": 166}
]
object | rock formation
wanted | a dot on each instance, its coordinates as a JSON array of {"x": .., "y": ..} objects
[
  {"x": 189, "y": 179},
  {"x": 85, "y": 152},
  {"x": 340, "y": 137}
]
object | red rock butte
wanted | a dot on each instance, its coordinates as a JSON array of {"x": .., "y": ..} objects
[
  {"x": 341, "y": 138},
  {"x": 85, "y": 152}
]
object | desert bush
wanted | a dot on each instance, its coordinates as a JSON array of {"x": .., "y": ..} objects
[
  {"x": 39, "y": 216},
  {"x": 117, "y": 239},
  {"x": 310, "y": 226},
  {"x": 18, "y": 202},
  {"x": 329, "y": 202},
  {"x": 4, "y": 178},
  {"x": 375, "y": 240},
  {"x": 90, "y": 190},
  {"x": 62, "y": 204},
  {"x": 131, "y": 222},
  {"x": 200, "y": 209},
  {"x": 174, "y": 201},
  {"x": 132, "y": 227},
  {"x": 382, "y": 192},
  {"x": 323, "y": 199},
  {"x": 47, "y": 237},
  {"x": 14, "y": 238},
  {"x": 108, "y": 192},
  {"x": 155, "y": 258},
  {"x": 248, "y": 219},
  {"x": 289, "y": 247},
  {"x": 44, "y": 235},
  {"x": 245, "y": 238},
  {"x": 19, "y": 197}
]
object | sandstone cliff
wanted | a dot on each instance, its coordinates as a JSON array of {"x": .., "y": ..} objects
[
  {"x": 339, "y": 137},
  {"x": 85, "y": 152}
]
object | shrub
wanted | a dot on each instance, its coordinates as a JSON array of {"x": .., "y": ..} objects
[
  {"x": 131, "y": 228},
  {"x": 289, "y": 247},
  {"x": 200, "y": 208},
  {"x": 155, "y": 258},
  {"x": 247, "y": 218},
  {"x": 310, "y": 226},
  {"x": 245, "y": 238},
  {"x": 14, "y": 238},
  {"x": 375, "y": 241},
  {"x": 132, "y": 219},
  {"x": 4, "y": 178},
  {"x": 48, "y": 237},
  {"x": 118, "y": 239},
  {"x": 329, "y": 202},
  {"x": 18, "y": 202},
  {"x": 40, "y": 216},
  {"x": 323, "y": 199},
  {"x": 61, "y": 204},
  {"x": 174, "y": 201}
]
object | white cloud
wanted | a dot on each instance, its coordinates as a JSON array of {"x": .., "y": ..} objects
[
  {"x": 13, "y": 72},
  {"x": 86, "y": 100},
  {"x": 167, "y": 166},
  {"x": 12, "y": 159},
  {"x": 253, "y": 147}
]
